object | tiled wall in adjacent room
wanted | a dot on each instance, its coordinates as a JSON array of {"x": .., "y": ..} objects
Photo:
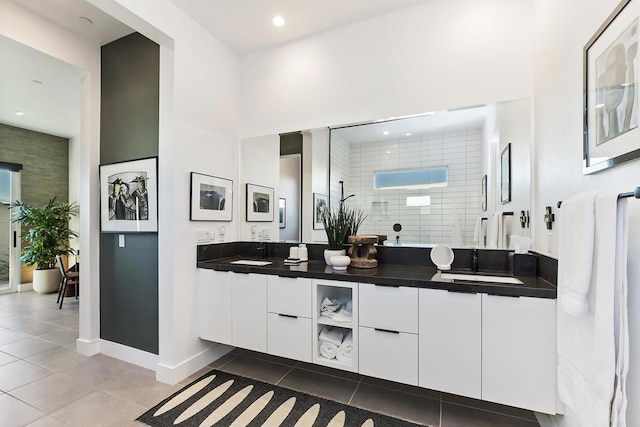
[
  {"x": 340, "y": 165},
  {"x": 459, "y": 201}
]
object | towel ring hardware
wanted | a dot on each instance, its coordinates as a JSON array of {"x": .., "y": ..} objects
[{"x": 635, "y": 193}]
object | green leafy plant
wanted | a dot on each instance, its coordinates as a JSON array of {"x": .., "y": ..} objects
[
  {"x": 340, "y": 223},
  {"x": 47, "y": 232}
]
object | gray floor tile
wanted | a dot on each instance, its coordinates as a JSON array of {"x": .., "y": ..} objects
[
  {"x": 488, "y": 406},
  {"x": 141, "y": 389},
  {"x": 257, "y": 369},
  {"x": 353, "y": 376},
  {"x": 317, "y": 384},
  {"x": 18, "y": 373},
  {"x": 269, "y": 358},
  {"x": 463, "y": 416},
  {"x": 222, "y": 361},
  {"x": 405, "y": 388},
  {"x": 52, "y": 393},
  {"x": 27, "y": 348},
  {"x": 410, "y": 407},
  {"x": 47, "y": 421},
  {"x": 14, "y": 413},
  {"x": 8, "y": 336},
  {"x": 58, "y": 359},
  {"x": 99, "y": 408}
]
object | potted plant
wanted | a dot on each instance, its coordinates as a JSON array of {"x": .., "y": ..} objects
[
  {"x": 47, "y": 235},
  {"x": 338, "y": 224}
]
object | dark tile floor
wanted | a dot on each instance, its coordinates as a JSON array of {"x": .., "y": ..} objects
[{"x": 398, "y": 400}]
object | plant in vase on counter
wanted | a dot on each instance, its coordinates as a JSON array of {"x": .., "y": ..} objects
[{"x": 338, "y": 224}]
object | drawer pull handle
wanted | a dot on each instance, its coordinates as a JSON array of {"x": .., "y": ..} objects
[
  {"x": 461, "y": 291},
  {"x": 386, "y": 330},
  {"x": 501, "y": 295},
  {"x": 386, "y": 286},
  {"x": 288, "y": 315}
]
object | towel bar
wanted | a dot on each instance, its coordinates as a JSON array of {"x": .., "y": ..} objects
[{"x": 635, "y": 193}]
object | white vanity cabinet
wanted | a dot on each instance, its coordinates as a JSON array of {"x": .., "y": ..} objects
[
  {"x": 289, "y": 331},
  {"x": 388, "y": 329},
  {"x": 249, "y": 311},
  {"x": 450, "y": 342},
  {"x": 519, "y": 352},
  {"x": 214, "y": 291}
]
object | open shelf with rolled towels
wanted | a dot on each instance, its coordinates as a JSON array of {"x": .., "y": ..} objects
[{"x": 335, "y": 324}]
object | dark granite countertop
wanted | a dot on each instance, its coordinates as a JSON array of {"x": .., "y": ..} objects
[{"x": 390, "y": 274}]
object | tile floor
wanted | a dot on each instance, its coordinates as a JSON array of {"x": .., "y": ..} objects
[{"x": 44, "y": 382}]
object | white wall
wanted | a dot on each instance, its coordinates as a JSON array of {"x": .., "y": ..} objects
[
  {"x": 290, "y": 190},
  {"x": 558, "y": 145},
  {"x": 260, "y": 165},
  {"x": 199, "y": 87},
  {"x": 437, "y": 55},
  {"x": 36, "y": 32}
]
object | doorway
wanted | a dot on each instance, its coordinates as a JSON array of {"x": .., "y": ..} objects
[{"x": 9, "y": 232}]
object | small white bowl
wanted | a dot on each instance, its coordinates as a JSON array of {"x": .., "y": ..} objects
[{"x": 340, "y": 262}]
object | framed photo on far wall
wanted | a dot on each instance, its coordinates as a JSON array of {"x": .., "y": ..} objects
[
  {"x": 505, "y": 175},
  {"x": 282, "y": 212},
  {"x": 211, "y": 198},
  {"x": 129, "y": 196},
  {"x": 320, "y": 203},
  {"x": 611, "y": 135},
  {"x": 259, "y": 203}
]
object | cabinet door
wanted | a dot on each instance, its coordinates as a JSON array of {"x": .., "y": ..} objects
[
  {"x": 214, "y": 305},
  {"x": 249, "y": 311},
  {"x": 519, "y": 352},
  {"x": 289, "y": 336},
  {"x": 389, "y": 355},
  {"x": 450, "y": 342},
  {"x": 289, "y": 295},
  {"x": 388, "y": 307}
]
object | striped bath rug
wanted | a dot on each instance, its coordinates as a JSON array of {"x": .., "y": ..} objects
[{"x": 222, "y": 399}]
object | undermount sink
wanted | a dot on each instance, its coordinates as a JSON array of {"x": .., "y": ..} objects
[
  {"x": 251, "y": 262},
  {"x": 480, "y": 278}
]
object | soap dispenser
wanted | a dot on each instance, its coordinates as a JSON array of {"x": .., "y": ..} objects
[{"x": 303, "y": 252}]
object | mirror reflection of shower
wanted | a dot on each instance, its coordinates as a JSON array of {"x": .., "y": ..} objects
[{"x": 397, "y": 227}]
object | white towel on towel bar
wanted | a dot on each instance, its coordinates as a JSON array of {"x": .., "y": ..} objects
[
  {"x": 591, "y": 379},
  {"x": 496, "y": 231}
]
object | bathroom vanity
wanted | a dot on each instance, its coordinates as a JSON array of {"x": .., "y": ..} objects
[{"x": 489, "y": 341}]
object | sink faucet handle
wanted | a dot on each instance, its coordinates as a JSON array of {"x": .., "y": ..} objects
[{"x": 474, "y": 259}]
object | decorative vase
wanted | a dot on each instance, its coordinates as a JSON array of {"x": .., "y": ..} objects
[
  {"x": 46, "y": 281},
  {"x": 328, "y": 253}
]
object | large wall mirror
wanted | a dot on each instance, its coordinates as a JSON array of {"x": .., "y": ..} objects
[
  {"x": 438, "y": 177},
  {"x": 474, "y": 164}
]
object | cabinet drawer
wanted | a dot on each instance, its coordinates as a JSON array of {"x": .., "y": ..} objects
[
  {"x": 388, "y": 355},
  {"x": 388, "y": 307},
  {"x": 289, "y": 337},
  {"x": 289, "y": 295}
]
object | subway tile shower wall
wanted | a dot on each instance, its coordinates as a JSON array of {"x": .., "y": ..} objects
[{"x": 460, "y": 152}]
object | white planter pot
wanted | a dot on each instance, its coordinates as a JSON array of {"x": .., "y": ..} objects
[
  {"x": 46, "y": 281},
  {"x": 328, "y": 253}
]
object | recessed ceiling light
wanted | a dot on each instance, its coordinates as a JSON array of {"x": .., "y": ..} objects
[
  {"x": 386, "y": 132},
  {"x": 278, "y": 21},
  {"x": 20, "y": 113},
  {"x": 388, "y": 152},
  {"x": 85, "y": 19},
  {"x": 408, "y": 134}
]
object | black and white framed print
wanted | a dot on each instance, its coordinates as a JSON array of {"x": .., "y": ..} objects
[
  {"x": 259, "y": 203},
  {"x": 505, "y": 175},
  {"x": 282, "y": 212},
  {"x": 611, "y": 81},
  {"x": 211, "y": 198},
  {"x": 320, "y": 203},
  {"x": 129, "y": 196}
]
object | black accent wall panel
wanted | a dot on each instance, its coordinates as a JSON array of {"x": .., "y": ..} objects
[{"x": 129, "y": 130}]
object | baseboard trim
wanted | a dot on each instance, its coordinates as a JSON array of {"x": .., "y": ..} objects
[
  {"x": 174, "y": 374},
  {"x": 129, "y": 354},
  {"x": 25, "y": 287},
  {"x": 87, "y": 348}
]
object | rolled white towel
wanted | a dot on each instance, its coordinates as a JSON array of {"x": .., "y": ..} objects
[
  {"x": 344, "y": 351},
  {"x": 328, "y": 350},
  {"x": 331, "y": 335}
]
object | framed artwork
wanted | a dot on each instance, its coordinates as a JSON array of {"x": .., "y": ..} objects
[
  {"x": 259, "y": 203},
  {"x": 282, "y": 213},
  {"x": 320, "y": 203},
  {"x": 129, "y": 196},
  {"x": 611, "y": 135},
  {"x": 505, "y": 175},
  {"x": 484, "y": 193},
  {"x": 211, "y": 198}
]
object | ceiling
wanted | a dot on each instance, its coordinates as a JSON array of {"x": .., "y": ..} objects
[
  {"x": 427, "y": 124},
  {"x": 245, "y": 25}
]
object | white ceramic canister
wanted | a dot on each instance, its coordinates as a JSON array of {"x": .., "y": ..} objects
[{"x": 303, "y": 252}]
